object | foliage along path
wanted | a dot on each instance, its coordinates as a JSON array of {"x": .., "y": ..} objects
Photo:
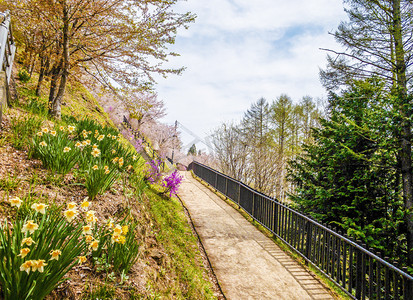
[{"x": 247, "y": 264}]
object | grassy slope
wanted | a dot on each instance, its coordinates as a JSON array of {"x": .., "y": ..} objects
[{"x": 170, "y": 259}]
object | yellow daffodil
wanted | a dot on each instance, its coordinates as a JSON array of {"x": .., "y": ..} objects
[
  {"x": 30, "y": 226},
  {"x": 121, "y": 240},
  {"x": 85, "y": 204},
  {"x": 38, "y": 265},
  {"x": 26, "y": 266},
  {"x": 71, "y": 205},
  {"x": 27, "y": 241},
  {"x": 96, "y": 133},
  {"x": 71, "y": 128},
  {"x": 43, "y": 144},
  {"x": 24, "y": 252},
  {"x": 129, "y": 167},
  {"x": 107, "y": 172},
  {"x": 87, "y": 230},
  {"x": 125, "y": 229},
  {"x": 39, "y": 133},
  {"x": 53, "y": 132},
  {"x": 106, "y": 167},
  {"x": 95, "y": 167},
  {"x": 66, "y": 149},
  {"x": 89, "y": 239},
  {"x": 84, "y": 143},
  {"x": 100, "y": 137},
  {"x": 45, "y": 130},
  {"x": 70, "y": 214},
  {"x": 117, "y": 229},
  {"x": 78, "y": 144},
  {"x": 82, "y": 259},
  {"x": 109, "y": 135},
  {"x": 113, "y": 151},
  {"x": 55, "y": 254},
  {"x": 62, "y": 128},
  {"x": 16, "y": 201},
  {"x": 39, "y": 207},
  {"x": 90, "y": 217},
  {"x": 95, "y": 152},
  {"x": 115, "y": 238},
  {"x": 94, "y": 245},
  {"x": 113, "y": 137},
  {"x": 115, "y": 159},
  {"x": 134, "y": 157},
  {"x": 87, "y": 142},
  {"x": 110, "y": 224},
  {"x": 95, "y": 146},
  {"x": 121, "y": 162}
]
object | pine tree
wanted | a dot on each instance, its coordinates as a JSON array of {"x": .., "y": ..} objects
[{"x": 347, "y": 177}]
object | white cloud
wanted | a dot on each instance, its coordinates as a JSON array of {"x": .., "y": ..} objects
[{"x": 241, "y": 50}]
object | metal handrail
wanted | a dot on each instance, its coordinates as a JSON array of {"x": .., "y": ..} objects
[
  {"x": 360, "y": 273},
  {"x": 7, "y": 45}
]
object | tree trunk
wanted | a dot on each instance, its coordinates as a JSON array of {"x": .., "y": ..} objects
[
  {"x": 406, "y": 134},
  {"x": 55, "y": 108},
  {"x": 44, "y": 66}
]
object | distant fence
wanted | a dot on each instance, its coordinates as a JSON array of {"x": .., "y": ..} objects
[
  {"x": 7, "y": 46},
  {"x": 137, "y": 135},
  {"x": 7, "y": 51},
  {"x": 360, "y": 273}
]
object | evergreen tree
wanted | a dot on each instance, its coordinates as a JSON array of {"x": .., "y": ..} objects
[
  {"x": 377, "y": 41},
  {"x": 192, "y": 150},
  {"x": 348, "y": 176}
]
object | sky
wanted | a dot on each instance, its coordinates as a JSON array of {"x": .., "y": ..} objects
[{"x": 238, "y": 51}]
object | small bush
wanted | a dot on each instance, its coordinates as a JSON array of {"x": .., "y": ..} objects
[{"x": 23, "y": 75}]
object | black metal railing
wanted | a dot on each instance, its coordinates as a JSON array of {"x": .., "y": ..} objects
[{"x": 359, "y": 272}]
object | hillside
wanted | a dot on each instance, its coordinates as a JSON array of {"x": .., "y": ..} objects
[{"x": 155, "y": 230}]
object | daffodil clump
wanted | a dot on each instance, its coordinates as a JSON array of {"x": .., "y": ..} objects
[
  {"x": 96, "y": 150},
  {"x": 118, "y": 245},
  {"x": 38, "y": 250},
  {"x": 56, "y": 149}
]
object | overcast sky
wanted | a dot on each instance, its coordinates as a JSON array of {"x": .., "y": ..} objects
[{"x": 238, "y": 51}]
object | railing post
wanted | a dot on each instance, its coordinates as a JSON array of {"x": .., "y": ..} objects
[
  {"x": 239, "y": 195},
  {"x": 308, "y": 241},
  {"x": 253, "y": 204}
]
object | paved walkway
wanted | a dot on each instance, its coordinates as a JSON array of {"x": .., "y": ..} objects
[{"x": 248, "y": 265}]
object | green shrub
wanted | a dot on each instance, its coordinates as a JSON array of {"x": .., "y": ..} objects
[{"x": 23, "y": 75}]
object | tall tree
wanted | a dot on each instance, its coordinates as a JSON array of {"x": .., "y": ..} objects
[
  {"x": 255, "y": 129},
  {"x": 378, "y": 41},
  {"x": 348, "y": 176},
  {"x": 114, "y": 41},
  {"x": 230, "y": 151}
]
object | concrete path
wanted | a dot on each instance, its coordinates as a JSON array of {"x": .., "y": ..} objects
[{"x": 248, "y": 265}]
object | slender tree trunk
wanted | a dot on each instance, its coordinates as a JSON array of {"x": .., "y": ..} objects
[
  {"x": 406, "y": 134},
  {"x": 55, "y": 109},
  {"x": 55, "y": 72},
  {"x": 44, "y": 66}
]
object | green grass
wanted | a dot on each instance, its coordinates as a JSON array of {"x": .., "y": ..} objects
[{"x": 180, "y": 243}]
